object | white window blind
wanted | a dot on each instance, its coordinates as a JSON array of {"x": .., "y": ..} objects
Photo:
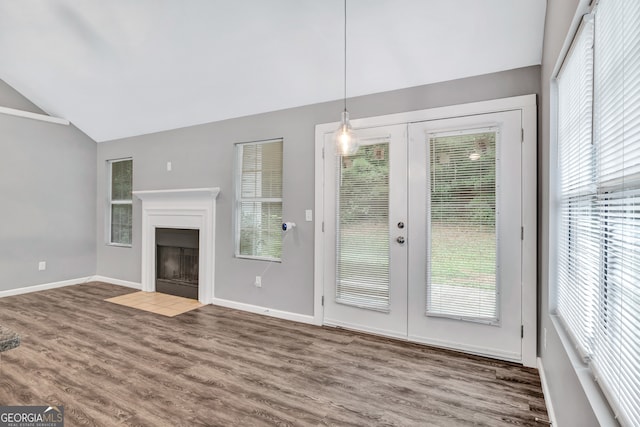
[
  {"x": 259, "y": 200},
  {"x": 616, "y": 352},
  {"x": 579, "y": 234},
  {"x": 120, "y": 205},
  {"x": 461, "y": 276},
  {"x": 362, "y": 238},
  {"x": 598, "y": 278}
]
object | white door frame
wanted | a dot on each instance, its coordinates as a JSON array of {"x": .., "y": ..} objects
[{"x": 527, "y": 105}]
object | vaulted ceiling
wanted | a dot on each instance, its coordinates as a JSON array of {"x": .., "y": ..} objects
[{"x": 121, "y": 68}]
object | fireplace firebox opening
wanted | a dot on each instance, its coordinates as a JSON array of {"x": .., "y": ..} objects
[{"x": 177, "y": 262}]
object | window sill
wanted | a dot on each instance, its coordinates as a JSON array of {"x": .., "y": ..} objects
[
  {"x": 590, "y": 386},
  {"x": 118, "y": 245},
  {"x": 256, "y": 258}
]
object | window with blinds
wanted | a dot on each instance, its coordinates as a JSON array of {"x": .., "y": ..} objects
[
  {"x": 461, "y": 267},
  {"x": 598, "y": 277},
  {"x": 578, "y": 228},
  {"x": 259, "y": 200},
  {"x": 362, "y": 238},
  {"x": 120, "y": 203}
]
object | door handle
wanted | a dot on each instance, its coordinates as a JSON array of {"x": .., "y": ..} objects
[{"x": 400, "y": 240}]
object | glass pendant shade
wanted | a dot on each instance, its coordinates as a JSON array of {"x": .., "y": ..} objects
[{"x": 346, "y": 141}]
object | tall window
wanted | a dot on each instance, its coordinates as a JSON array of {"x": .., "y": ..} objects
[
  {"x": 259, "y": 200},
  {"x": 598, "y": 275},
  {"x": 120, "y": 202}
]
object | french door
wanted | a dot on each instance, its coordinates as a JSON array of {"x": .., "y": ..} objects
[
  {"x": 465, "y": 234},
  {"x": 365, "y": 200},
  {"x": 422, "y": 233}
]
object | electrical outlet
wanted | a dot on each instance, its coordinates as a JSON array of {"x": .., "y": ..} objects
[
  {"x": 308, "y": 215},
  {"x": 258, "y": 281},
  {"x": 42, "y": 265},
  {"x": 544, "y": 338}
]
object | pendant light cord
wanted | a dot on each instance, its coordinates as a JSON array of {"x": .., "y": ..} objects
[{"x": 345, "y": 55}]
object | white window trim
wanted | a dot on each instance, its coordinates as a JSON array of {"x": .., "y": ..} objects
[
  {"x": 111, "y": 202},
  {"x": 238, "y": 200}
]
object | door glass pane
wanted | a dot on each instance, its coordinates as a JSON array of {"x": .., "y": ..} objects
[
  {"x": 362, "y": 239},
  {"x": 461, "y": 273}
]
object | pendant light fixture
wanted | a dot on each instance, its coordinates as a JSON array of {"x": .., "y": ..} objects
[{"x": 346, "y": 141}]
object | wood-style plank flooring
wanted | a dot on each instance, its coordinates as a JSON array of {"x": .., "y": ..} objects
[{"x": 111, "y": 365}]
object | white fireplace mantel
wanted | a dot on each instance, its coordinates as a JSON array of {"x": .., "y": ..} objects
[
  {"x": 180, "y": 194},
  {"x": 190, "y": 208}
]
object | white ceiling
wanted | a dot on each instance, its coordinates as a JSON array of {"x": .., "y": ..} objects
[{"x": 121, "y": 68}]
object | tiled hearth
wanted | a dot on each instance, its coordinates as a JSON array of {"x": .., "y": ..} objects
[{"x": 155, "y": 302}]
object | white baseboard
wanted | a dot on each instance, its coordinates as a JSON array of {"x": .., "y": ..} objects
[
  {"x": 71, "y": 282},
  {"x": 302, "y": 318},
  {"x": 45, "y": 286},
  {"x": 280, "y": 314},
  {"x": 547, "y": 394},
  {"x": 126, "y": 283}
]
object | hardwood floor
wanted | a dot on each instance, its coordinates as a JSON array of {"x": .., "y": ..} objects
[{"x": 111, "y": 365}]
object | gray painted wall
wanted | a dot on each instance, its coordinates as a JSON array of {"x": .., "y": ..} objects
[
  {"x": 202, "y": 156},
  {"x": 10, "y": 98},
  {"x": 48, "y": 190},
  {"x": 570, "y": 402}
]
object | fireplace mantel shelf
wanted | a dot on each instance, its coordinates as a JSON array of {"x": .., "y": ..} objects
[{"x": 183, "y": 193}]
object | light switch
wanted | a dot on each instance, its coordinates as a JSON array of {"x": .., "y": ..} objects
[
  {"x": 168, "y": 166},
  {"x": 308, "y": 215}
]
